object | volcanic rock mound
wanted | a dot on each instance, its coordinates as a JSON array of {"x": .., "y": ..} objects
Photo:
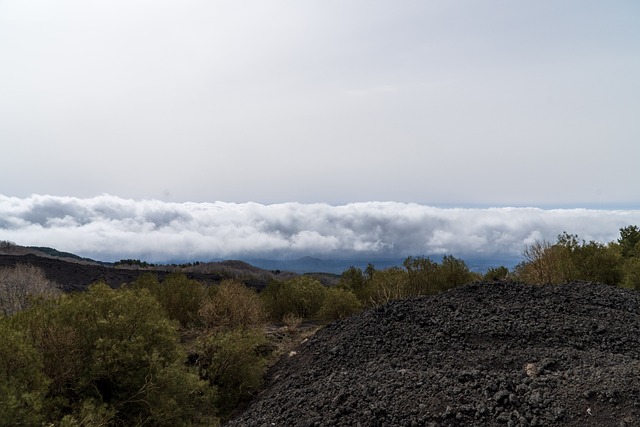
[{"x": 479, "y": 355}]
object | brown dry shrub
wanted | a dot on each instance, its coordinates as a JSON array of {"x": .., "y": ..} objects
[
  {"x": 233, "y": 305},
  {"x": 291, "y": 322},
  {"x": 20, "y": 284}
]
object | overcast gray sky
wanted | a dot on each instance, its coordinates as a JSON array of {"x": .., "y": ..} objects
[
  {"x": 169, "y": 129},
  {"x": 446, "y": 103}
]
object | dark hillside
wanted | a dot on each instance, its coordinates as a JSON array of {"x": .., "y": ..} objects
[
  {"x": 59, "y": 254},
  {"x": 73, "y": 275},
  {"x": 499, "y": 354}
]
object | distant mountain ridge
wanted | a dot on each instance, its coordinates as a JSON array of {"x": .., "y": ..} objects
[{"x": 75, "y": 273}]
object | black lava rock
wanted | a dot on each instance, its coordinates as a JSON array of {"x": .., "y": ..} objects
[{"x": 484, "y": 354}]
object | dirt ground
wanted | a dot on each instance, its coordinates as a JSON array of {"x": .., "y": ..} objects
[{"x": 484, "y": 354}]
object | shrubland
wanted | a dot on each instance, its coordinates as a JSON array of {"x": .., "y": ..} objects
[
  {"x": 571, "y": 259},
  {"x": 110, "y": 357},
  {"x": 178, "y": 352},
  {"x": 418, "y": 276}
]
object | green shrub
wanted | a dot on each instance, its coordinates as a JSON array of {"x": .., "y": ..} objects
[
  {"x": 90, "y": 413},
  {"x": 422, "y": 276},
  {"x": 631, "y": 273},
  {"x": 232, "y": 362},
  {"x": 178, "y": 295},
  {"x": 419, "y": 276},
  {"x": 339, "y": 304},
  {"x": 22, "y": 384},
  {"x": 496, "y": 273},
  {"x": 385, "y": 286},
  {"x": 116, "y": 352},
  {"x": 629, "y": 241},
  {"x": 302, "y": 296},
  {"x": 596, "y": 262},
  {"x": 453, "y": 272},
  {"x": 182, "y": 297},
  {"x": 354, "y": 280}
]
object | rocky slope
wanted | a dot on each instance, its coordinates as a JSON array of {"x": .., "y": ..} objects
[{"x": 483, "y": 354}]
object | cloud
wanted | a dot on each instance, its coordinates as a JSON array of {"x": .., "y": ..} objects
[{"x": 110, "y": 228}]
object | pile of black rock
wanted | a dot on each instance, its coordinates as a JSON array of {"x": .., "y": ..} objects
[{"x": 483, "y": 354}]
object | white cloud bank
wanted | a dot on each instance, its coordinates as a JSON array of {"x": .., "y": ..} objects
[{"x": 111, "y": 228}]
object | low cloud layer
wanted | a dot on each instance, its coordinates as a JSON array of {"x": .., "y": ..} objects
[{"x": 111, "y": 228}]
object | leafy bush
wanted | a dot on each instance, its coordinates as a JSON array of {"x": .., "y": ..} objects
[
  {"x": 596, "y": 262},
  {"x": 629, "y": 241},
  {"x": 181, "y": 297},
  {"x": 631, "y": 273},
  {"x": 133, "y": 263},
  {"x": 385, "y": 286},
  {"x": 178, "y": 295},
  {"x": 116, "y": 352},
  {"x": 232, "y": 362},
  {"x": 496, "y": 273},
  {"x": 339, "y": 304},
  {"x": 420, "y": 276},
  {"x": 22, "y": 383},
  {"x": 453, "y": 272},
  {"x": 354, "y": 280},
  {"x": 302, "y": 296}
]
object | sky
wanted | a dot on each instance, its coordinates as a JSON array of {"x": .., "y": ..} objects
[{"x": 289, "y": 108}]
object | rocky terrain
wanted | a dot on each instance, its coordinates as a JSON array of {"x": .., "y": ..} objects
[{"x": 487, "y": 354}]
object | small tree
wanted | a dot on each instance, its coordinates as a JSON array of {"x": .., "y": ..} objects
[
  {"x": 354, "y": 280},
  {"x": 454, "y": 272},
  {"x": 540, "y": 265},
  {"x": 546, "y": 263},
  {"x": 630, "y": 241},
  {"x": 422, "y": 275}
]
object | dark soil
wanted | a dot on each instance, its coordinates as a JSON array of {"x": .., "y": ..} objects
[
  {"x": 77, "y": 276},
  {"x": 499, "y": 354}
]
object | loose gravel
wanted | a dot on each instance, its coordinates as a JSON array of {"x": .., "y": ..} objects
[{"x": 484, "y": 354}]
